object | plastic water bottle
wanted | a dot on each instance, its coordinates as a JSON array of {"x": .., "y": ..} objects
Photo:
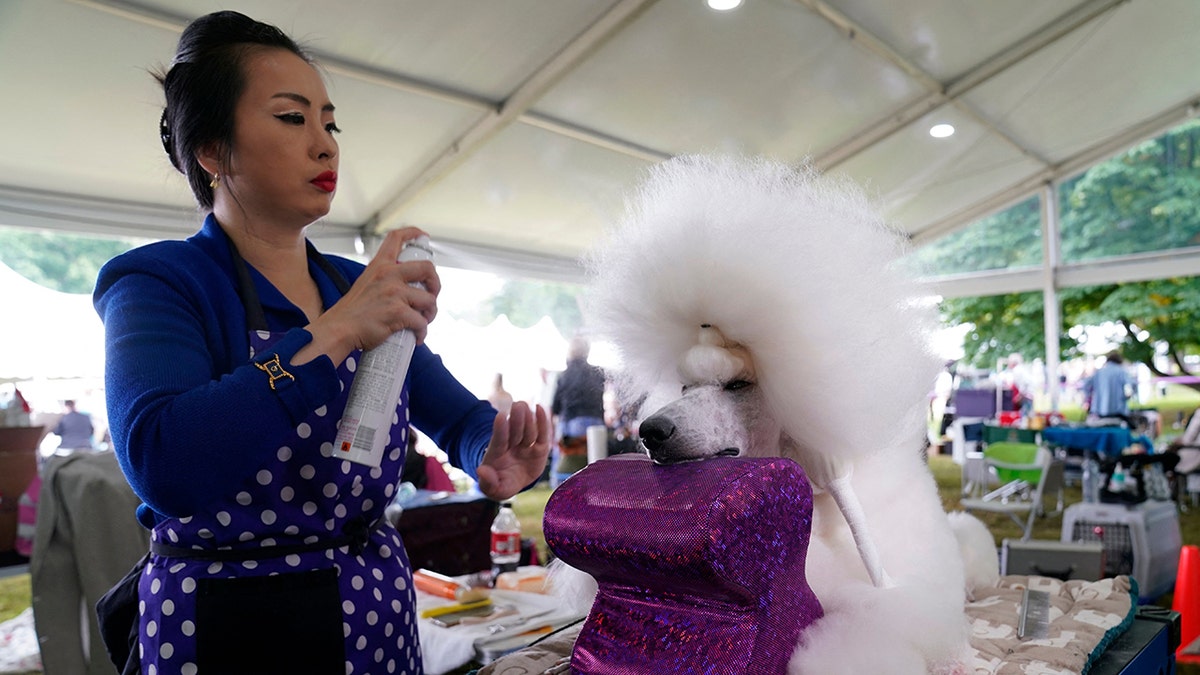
[
  {"x": 363, "y": 431},
  {"x": 506, "y": 541},
  {"x": 404, "y": 494},
  {"x": 1116, "y": 484},
  {"x": 1091, "y": 481}
]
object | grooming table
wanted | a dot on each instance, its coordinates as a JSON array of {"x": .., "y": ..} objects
[{"x": 1146, "y": 647}]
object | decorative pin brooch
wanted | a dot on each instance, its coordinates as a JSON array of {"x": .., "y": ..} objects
[{"x": 274, "y": 370}]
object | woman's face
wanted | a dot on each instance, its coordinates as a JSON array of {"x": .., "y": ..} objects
[{"x": 284, "y": 160}]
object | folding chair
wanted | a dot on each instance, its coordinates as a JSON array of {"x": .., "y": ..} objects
[
  {"x": 1027, "y": 472},
  {"x": 977, "y": 477}
]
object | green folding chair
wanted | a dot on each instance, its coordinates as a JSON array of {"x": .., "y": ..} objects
[{"x": 1026, "y": 473}]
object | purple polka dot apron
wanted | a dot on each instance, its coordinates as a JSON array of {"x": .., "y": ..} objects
[{"x": 296, "y": 571}]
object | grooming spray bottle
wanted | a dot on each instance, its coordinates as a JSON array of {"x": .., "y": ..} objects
[{"x": 366, "y": 423}]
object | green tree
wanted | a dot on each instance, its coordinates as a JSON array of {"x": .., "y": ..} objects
[
  {"x": 1001, "y": 325},
  {"x": 1145, "y": 199},
  {"x": 1160, "y": 312},
  {"x": 525, "y": 302},
  {"x": 1009, "y": 239},
  {"x": 70, "y": 263},
  {"x": 65, "y": 262}
]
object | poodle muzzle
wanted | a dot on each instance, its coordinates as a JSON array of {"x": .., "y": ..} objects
[{"x": 659, "y": 435}]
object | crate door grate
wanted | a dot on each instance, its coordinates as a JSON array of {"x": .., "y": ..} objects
[{"x": 1116, "y": 540}]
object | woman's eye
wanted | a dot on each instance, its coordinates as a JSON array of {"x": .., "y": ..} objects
[
  {"x": 734, "y": 385},
  {"x": 333, "y": 128},
  {"x": 291, "y": 118}
]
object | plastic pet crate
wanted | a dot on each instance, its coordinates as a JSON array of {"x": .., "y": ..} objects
[{"x": 1141, "y": 540}]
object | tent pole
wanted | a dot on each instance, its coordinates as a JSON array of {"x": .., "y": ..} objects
[{"x": 1052, "y": 315}]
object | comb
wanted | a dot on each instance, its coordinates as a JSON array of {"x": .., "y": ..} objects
[{"x": 1035, "y": 615}]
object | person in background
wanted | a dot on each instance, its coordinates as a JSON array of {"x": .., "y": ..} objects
[
  {"x": 229, "y": 358},
  {"x": 1108, "y": 390},
  {"x": 623, "y": 425},
  {"x": 500, "y": 399},
  {"x": 425, "y": 472},
  {"x": 74, "y": 429},
  {"x": 1022, "y": 383},
  {"x": 578, "y": 404},
  {"x": 1186, "y": 453},
  {"x": 1189, "y": 439}
]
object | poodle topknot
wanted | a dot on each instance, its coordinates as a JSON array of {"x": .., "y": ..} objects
[{"x": 797, "y": 268}]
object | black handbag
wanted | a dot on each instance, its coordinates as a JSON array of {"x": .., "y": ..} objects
[{"x": 117, "y": 615}]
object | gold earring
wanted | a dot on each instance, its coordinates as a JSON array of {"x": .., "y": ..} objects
[{"x": 216, "y": 179}]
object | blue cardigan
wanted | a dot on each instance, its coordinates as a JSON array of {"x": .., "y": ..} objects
[{"x": 190, "y": 415}]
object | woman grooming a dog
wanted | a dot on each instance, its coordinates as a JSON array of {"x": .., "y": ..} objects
[{"x": 229, "y": 360}]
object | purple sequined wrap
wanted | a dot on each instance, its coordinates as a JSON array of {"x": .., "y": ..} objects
[{"x": 700, "y": 566}]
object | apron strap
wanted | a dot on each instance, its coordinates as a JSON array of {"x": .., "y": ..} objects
[
  {"x": 256, "y": 319},
  {"x": 339, "y": 280}
]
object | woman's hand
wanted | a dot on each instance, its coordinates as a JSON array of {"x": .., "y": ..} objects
[
  {"x": 381, "y": 302},
  {"x": 516, "y": 455}
]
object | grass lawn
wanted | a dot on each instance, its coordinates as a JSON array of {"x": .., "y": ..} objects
[{"x": 15, "y": 595}]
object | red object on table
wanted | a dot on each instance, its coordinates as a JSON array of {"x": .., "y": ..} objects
[{"x": 1009, "y": 418}]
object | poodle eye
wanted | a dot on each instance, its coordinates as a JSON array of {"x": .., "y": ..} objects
[{"x": 734, "y": 385}]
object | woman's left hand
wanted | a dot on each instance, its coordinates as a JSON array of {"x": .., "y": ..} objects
[{"x": 516, "y": 455}]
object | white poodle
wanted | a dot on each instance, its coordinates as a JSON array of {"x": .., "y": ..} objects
[{"x": 771, "y": 298}]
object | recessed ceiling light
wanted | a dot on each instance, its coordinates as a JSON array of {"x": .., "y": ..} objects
[
  {"x": 941, "y": 130},
  {"x": 724, "y": 5}
]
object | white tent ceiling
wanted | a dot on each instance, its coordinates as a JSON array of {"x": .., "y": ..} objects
[{"x": 509, "y": 129}]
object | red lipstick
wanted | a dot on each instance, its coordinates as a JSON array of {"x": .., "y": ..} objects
[{"x": 327, "y": 181}]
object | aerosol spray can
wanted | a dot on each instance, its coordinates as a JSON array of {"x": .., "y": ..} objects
[{"x": 367, "y": 421}]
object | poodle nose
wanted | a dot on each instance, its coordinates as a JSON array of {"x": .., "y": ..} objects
[{"x": 655, "y": 431}]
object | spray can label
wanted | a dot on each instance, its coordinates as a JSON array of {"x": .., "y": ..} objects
[{"x": 365, "y": 427}]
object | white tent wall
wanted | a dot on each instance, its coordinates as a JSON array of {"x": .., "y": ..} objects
[{"x": 48, "y": 334}]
